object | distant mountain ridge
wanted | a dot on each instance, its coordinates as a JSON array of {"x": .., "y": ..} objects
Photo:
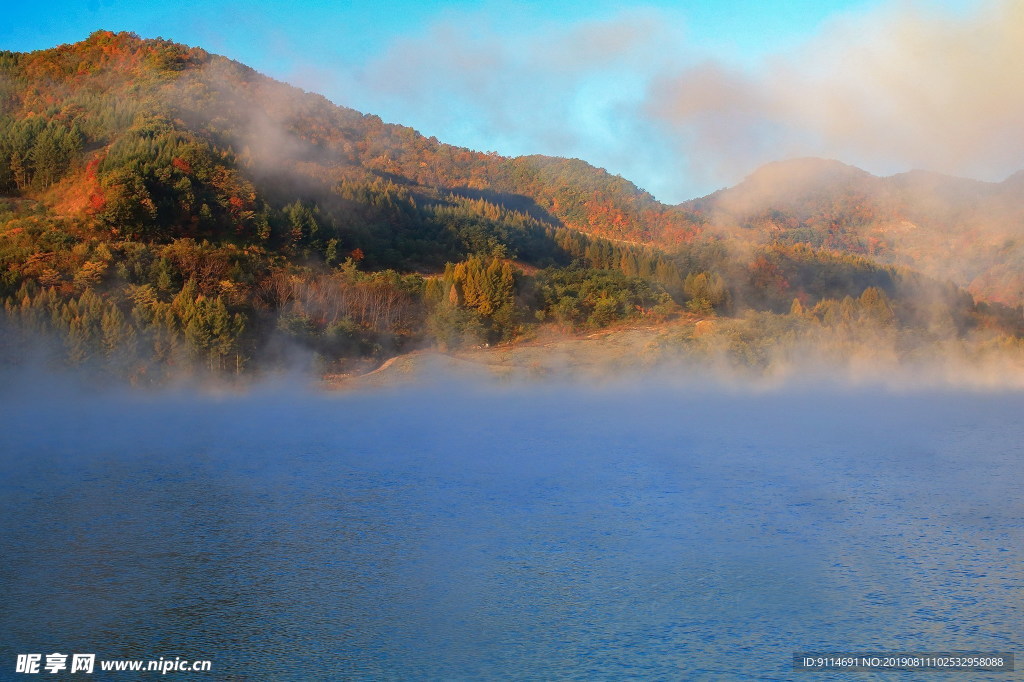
[{"x": 969, "y": 231}]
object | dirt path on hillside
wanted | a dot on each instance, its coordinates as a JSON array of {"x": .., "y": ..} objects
[{"x": 602, "y": 353}]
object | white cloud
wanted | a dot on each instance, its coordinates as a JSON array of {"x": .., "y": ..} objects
[
  {"x": 570, "y": 91},
  {"x": 900, "y": 86}
]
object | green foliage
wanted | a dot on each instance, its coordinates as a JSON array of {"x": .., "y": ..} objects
[
  {"x": 834, "y": 332},
  {"x": 778, "y": 273},
  {"x": 476, "y": 226},
  {"x": 159, "y": 183},
  {"x": 211, "y": 331},
  {"x": 474, "y": 301},
  {"x": 35, "y": 153},
  {"x": 705, "y": 292},
  {"x": 585, "y": 297},
  {"x": 453, "y": 327}
]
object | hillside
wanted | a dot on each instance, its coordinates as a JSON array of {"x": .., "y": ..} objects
[
  {"x": 163, "y": 209},
  {"x": 114, "y": 96},
  {"x": 967, "y": 231}
]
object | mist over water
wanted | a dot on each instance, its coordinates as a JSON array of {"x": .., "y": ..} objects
[{"x": 464, "y": 531}]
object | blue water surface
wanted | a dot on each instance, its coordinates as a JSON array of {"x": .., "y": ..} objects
[{"x": 452, "y": 532}]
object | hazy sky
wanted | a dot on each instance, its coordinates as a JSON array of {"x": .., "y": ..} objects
[{"x": 680, "y": 97}]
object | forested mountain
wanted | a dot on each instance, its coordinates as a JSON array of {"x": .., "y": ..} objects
[
  {"x": 162, "y": 208},
  {"x": 963, "y": 230},
  {"x": 135, "y": 106}
]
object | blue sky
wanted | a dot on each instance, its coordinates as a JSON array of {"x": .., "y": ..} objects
[
  {"x": 351, "y": 32},
  {"x": 680, "y": 97}
]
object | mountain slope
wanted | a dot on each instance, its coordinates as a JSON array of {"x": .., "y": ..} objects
[
  {"x": 168, "y": 207},
  {"x": 162, "y": 208},
  {"x": 116, "y": 95},
  {"x": 968, "y": 231}
]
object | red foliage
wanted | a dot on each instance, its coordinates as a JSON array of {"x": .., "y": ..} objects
[
  {"x": 97, "y": 201},
  {"x": 765, "y": 274},
  {"x": 875, "y": 245},
  {"x": 182, "y": 165},
  {"x": 90, "y": 169}
]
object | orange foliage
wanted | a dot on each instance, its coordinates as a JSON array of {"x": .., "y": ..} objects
[
  {"x": 97, "y": 201},
  {"x": 765, "y": 274},
  {"x": 182, "y": 165}
]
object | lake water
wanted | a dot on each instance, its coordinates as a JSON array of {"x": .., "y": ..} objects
[{"x": 545, "y": 532}]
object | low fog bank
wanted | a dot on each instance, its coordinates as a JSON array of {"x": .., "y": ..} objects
[
  {"x": 671, "y": 365},
  {"x": 756, "y": 353},
  {"x": 467, "y": 406}
]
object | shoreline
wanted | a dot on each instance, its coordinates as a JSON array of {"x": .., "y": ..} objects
[{"x": 601, "y": 353}]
